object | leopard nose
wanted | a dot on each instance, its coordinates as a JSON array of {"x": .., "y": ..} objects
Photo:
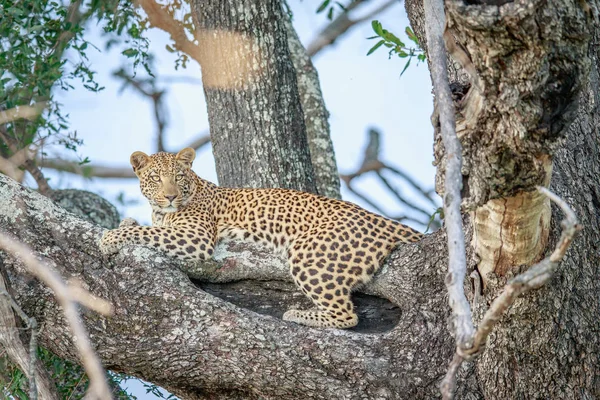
[{"x": 170, "y": 198}]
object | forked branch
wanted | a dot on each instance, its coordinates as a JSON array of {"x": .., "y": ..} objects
[{"x": 535, "y": 277}]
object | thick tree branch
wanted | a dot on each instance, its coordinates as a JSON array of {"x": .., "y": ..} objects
[
  {"x": 195, "y": 329},
  {"x": 160, "y": 18}
]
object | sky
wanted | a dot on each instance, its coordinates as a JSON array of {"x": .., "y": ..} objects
[{"x": 360, "y": 92}]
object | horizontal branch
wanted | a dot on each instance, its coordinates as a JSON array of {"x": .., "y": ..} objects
[
  {"x": 93, "y": 170},
  {"x": 201, "y": 342}
]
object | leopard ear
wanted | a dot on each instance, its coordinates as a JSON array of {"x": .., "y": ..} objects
[
  {"x": 186, "y": 156},
  {"x": 139, "y": 160}
]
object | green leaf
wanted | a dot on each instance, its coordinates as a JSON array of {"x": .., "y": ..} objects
[
  {"x": 130, "y": 53},
  {"x": 378, "y": 45},
  {"x": 323, "y": 6},
  {"x": 390, "y": 37},
  {"x": 377, "y": 27},
  {"x": 330, "y": 14},
  {"x": 405, "y": 67},
  {"x": 421, "y": 57},
  {"x": 340, "y": 5},
  {"x": 411, "y": 35}
]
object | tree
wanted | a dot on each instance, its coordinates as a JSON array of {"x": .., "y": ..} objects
[{"x": 525, "y": 102}]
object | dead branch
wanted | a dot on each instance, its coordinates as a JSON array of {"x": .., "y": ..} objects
[
  {"x": 341, "y": 24},
  {"x": 13, "y": 145},
  {"x": 39, "y": 382},
  {"x": 535, "y": 277},
  {"x": 31, "y": 325},
  {"x": 457, "y": 265},
  {"x": 147, "y": 89},
  {"x": 372, "y": 163},
  {"x": 67, "y": 300},
  {"x": 93, "y": 170}
]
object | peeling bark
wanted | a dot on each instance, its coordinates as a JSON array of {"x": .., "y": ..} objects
[
  {"x": 529, "y": 106},
  {"x": 256, "y": 120}
]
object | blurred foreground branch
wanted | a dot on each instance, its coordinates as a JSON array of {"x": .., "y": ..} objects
[
  {"x": 462, "y": 320},
  {"x": 67, "y": 296},
  {"x": 341, "y": 24}
]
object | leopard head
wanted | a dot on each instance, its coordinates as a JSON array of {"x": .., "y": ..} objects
[{"x": 166, "y": 179}]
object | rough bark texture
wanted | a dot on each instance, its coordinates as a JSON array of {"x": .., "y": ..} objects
[
  {"x": 256, "y": 119},
  {"x": 316, "y": 118},
  {"x": 170, "y": 332},
  {"x": 532, "y": 61}
]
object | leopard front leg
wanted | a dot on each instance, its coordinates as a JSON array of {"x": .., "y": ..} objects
[{"x": 186, "y": 243}]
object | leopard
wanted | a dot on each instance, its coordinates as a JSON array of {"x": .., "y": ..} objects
[{"x": 332, "y": 246}]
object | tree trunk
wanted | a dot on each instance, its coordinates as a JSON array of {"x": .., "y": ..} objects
[
  {"x": 521, "y": 86},
  {"x": 256, "y": 118},
  {"x": 316, "y": 117}
]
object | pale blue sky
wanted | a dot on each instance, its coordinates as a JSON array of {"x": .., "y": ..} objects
[{"x": 359, "y": 91}]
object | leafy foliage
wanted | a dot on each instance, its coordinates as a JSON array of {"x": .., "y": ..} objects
[
  {"x": 395, "y": 45},
  {"x": 330, "y": 6},
  {"x": 36, "y": 34}
]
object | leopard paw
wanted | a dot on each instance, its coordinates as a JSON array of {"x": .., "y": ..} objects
[
  {"x": 128, "y": 222},
  {"x": 108, "y": 244}
]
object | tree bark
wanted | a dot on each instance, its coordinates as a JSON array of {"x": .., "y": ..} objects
[
  {"x": 316, "y": 117},
  {"x": 168, "y": 331},
  {"x": 531, "y": 88},
  {"x": 255, "y": 114}
]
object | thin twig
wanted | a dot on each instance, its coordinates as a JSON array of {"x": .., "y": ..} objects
[
  {"x": 92, "y": 170},
  {"x": 91, "y": 363},
  {"x": 29, "y": 165},
  {"x": 31, "y": 325},
  {"x": 147, "y": 89},
  {"x": 457, "y": 264},
  {"x": 341, "y": 25},
  {"x": 399, "y": 197},
  {"x": 372, "y": 163},
  {"x": 535, "y": 277}
]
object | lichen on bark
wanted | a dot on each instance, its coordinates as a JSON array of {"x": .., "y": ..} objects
[{"x": 256, "y": 119}]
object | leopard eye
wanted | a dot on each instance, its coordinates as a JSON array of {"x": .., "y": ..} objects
[
  {"x": 155, "y": 178},
  {"x": 178, "y": 177}
]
